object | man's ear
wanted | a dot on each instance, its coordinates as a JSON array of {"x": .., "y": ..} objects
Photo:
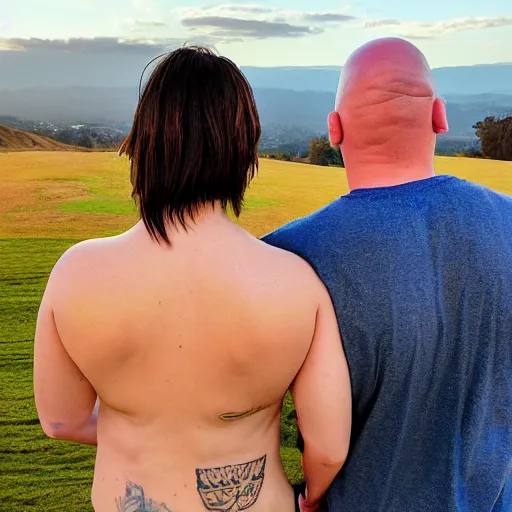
[
  {"x": 335, "y": 129},
  {"x": 439, "y": 119}
]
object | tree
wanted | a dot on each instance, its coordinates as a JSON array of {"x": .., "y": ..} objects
[
  {"x": 495, "y": 134},
  {"x": 65, "y": 136},
  {"x": 319, "y": 151},
  {"x": 322, "y": 153},
  {"x": 85, "y": 141},
  {"x": 337, "y": 157}
]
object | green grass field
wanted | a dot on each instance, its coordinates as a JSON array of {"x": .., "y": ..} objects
[{"x": 48, "y": 202}]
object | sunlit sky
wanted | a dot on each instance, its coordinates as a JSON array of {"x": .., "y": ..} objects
[{"x": 269, "y": 33}]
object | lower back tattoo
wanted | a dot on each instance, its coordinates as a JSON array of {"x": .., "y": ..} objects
[
  {"x": 231, "y": 488},
  {"x": 135, "y": 500}
]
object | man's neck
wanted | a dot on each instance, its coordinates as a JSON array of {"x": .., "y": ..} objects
[{"x": 375, "y": 176}]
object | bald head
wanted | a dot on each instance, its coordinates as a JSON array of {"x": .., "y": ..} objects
[
  {"x": 386, "y": 108},
  {"x": 385, "y": 68}
]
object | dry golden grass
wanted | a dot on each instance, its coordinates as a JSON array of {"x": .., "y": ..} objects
[{"x": 81, "y": 195}]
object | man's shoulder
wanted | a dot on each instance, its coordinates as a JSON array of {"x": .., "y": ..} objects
[
  {"x": 281, "y": 264},
  {"x": 303, "y": 231},
  {"x": 483, "y": 203},
  {"x": 479, "y": 190}
]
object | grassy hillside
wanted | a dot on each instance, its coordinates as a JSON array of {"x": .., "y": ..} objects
[
  {"x": 49, "y": 201},
  {"x": 12, "y": 139}
]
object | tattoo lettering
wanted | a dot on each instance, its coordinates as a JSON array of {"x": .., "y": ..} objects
[
  {"x": 231, "y": 488},
  {"x": 135, "y": 501},
  {"x": 232, "y": 416}
]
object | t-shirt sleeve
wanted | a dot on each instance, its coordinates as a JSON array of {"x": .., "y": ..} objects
[
  {"x": 270, "y": 238},
  {"x": 290, "y": 237},
  {"x": 281, "y": 238}
]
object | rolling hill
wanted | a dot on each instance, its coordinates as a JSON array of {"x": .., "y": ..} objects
[{"x": 12, "y": 139}]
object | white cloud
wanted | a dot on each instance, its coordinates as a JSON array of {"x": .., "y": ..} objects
[
  {"x": 102, "y": 45},
  {"x": 228, "y": 10},
  {"x": 381, "y": 23},
  {"x": 466, "y": 23},
  {"x": 253, "y": 21},
  {"x": 431, "y": 30},
  {"x": 257, "y": 29},
  {"x": 328, "y": 17},
  {"x": 143, "y": 25}
]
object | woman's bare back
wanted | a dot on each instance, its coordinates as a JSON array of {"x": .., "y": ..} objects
[{"x": 191, "y": 350}]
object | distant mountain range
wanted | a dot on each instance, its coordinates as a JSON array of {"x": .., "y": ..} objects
[
  {"x": 71, "y": 88},
  {"x": 481, "y": 79},
  {"x": 304, "y": 110},
  {"x": 25, "y": 69}
]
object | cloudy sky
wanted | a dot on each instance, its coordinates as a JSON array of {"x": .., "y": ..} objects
[{"x": 264, "y": 32}]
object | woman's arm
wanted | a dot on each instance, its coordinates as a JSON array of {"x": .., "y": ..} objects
[
  {"x": 322, "y": 397},
  {"x": 66, "y": 401}
]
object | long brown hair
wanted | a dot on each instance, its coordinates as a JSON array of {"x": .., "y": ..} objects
[{"x": 194, "y": 139}]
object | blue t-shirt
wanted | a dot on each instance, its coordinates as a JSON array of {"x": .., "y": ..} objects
[{"x": 420, "y": 276}]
